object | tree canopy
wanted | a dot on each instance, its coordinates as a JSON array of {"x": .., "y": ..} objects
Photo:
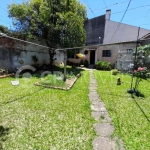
[
  {"x": 4, "y": 30},
  {"x": 142, "y": 56},
  {"x": 58, "y": 22}
]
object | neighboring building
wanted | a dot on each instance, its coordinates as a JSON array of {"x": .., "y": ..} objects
[
  {"x": 110, "y": 41},
  {"x": 145, "y": 40}
]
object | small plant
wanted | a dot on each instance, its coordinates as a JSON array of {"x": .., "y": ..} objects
[
  {"x": 53, "y": 80},
  {"x": 35, "y": 58},
  {"x": 81, "y": 62},
  {"x": 102, "y": 117},
  {"x": 3, "y": 71},
  {"x": 70, "y": 75},
  {"x": 86, "y": 63},
  {"x": 140, "y": 74},
  {"x": 102, "y": 65},
  {"x": 114, "y": 71}
]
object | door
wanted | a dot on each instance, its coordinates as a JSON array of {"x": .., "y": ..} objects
[{"x": 92, "y": 57}]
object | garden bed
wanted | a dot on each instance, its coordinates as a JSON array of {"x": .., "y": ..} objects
[
  {"x": 67, "y": 84},
  {"x": 6, "y": 75}
]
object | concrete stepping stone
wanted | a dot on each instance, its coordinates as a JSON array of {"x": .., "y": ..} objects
[
  {"x": 103, "y": 143},
  {"x": 98, "y": 106},
  {"x": 104, "y": 129},
  {"x": 101, "y": 116}
]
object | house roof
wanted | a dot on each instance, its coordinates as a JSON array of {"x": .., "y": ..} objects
[
  {"x": 116, "y": 32},
  {"x": 147, "y": 36},
  {"x": 101, "y": 30}
]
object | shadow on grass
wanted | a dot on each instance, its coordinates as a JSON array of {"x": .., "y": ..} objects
[
  {"x": 23, "y": 96},
  {"x": 141, "y": 109},
  {"x": 3, "y": 133},
  {"x": 134, "y": 92},
  {"x": 39, "y": 73}
]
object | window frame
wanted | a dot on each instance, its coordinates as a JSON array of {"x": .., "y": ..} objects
[{"x": 106, "y": 53}]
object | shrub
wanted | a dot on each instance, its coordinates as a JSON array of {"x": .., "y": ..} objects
[
  {"x": 35, "y": 58},
  {"x": 81, "y": 62},
  {"x": 114, "y": 71},
  {"x": 86, "y": 63},
  {"x": 102, "y": 65},
  {"x": 53, "y": 80}
]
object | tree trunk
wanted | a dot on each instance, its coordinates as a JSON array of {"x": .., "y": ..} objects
[{"x": 51, "y": 59}]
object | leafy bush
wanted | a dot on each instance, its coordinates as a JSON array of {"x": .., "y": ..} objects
[
  {"x": 102, "y": 65},
  {"x": 81, "y": 62},
  {"x": 86, "y": 63},
  {"x": 114, "y": 71},
  {"x": 35, "y": 58},
  {"x": 53, "y": 80},
  {"x": 72, "y": 63}
]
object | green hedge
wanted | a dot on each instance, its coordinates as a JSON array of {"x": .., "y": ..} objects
[{"x": 102, "y": 65}]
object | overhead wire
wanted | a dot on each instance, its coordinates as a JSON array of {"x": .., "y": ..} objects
[
  {"x": 5, "y": 21},
  {"x": 130, "y": 9},
  {"x": 88, "y": 5},
  {"x": 147, "y": 14},
  {"x": 105, "y": 3},
  {"x": 112, "y": 5},
  {"x": 121, "y": 20},
  {"x": 3, "y": 9}
]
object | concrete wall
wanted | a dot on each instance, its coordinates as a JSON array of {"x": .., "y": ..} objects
[{"x": 15, "y": 54}]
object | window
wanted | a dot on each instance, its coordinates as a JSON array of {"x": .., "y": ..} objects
[
  {"x": 129, "y": 50},
  {"x": 106, "y": 53}
]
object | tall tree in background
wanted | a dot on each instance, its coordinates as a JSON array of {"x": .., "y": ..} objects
[
  {"x": 4, "y": 30},
  {"x": 58, "y": 22}
]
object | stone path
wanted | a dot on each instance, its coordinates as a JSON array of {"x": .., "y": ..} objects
[{"x": 103, "y": 127}]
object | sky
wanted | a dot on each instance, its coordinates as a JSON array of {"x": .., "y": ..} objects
[{"x": 138, "y": 13}]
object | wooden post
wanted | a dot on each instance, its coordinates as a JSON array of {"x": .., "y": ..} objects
[
  {"x": 65, "y": 63},
  {"x": 132, "y": 90},
  {"x": 135, "y": 59}
]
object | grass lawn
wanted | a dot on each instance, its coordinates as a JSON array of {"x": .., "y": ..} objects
[
  {"x": 131, "y": 116},
  {"x": 33, "y": 117}
]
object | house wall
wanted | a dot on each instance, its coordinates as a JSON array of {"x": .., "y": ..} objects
[
  {"x": 145, "y": 42},
  {"x": 94, "y": 30},
  {"x": 116, "y": 49}
]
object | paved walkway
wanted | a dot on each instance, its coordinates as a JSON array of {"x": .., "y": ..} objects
[{"x": 103, "y": 127}]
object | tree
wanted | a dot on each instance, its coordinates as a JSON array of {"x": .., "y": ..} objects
[
  {"x": 142, "y": 57},
  {"x": 4, "y": 30},
  {"x": 58, "y": 22}
]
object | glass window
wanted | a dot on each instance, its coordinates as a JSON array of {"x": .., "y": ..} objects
[{"x": 106, "y": 53}]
